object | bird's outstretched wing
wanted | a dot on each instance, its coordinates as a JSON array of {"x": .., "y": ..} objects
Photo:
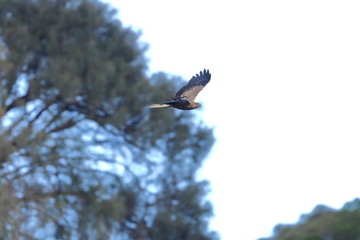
[{"x": 194, "y": 86}]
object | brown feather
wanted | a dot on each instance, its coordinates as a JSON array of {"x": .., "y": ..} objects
[{"x": 194, "y": 86}]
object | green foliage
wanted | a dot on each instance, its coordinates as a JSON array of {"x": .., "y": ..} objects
[
  {"x": 81, "y": 155},
  {"x": 324, "y": 223}
]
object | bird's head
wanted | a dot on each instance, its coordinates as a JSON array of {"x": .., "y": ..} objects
[{"x": 196, "y": 105}]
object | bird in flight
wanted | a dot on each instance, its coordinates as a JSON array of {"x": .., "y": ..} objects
[{"x": 184, "y": 99}]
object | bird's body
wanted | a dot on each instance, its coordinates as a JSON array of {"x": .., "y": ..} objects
[
  {"x": 178, "y": 103},
  {"x": 184, "y": 99}
]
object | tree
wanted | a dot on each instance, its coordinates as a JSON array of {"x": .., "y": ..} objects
[
  {"x": 81, "y": 156},
  {"x": 323, "y": 223}
]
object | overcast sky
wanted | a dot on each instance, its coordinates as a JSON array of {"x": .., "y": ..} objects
[{"x": 284, "y": 100}]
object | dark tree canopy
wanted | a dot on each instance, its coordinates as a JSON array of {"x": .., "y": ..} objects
[
  {"x": 81, "y": 156},
  {"x": 323, "y": 223}
]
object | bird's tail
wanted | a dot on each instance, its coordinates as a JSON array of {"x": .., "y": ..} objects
[{"x": 163, "y": 105}]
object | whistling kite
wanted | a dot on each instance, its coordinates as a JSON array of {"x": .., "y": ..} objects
[{"x": 184, "y": 98}]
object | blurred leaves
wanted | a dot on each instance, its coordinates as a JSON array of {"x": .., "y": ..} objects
[
  {"x": 323, "y": 223},
  {"x": 81, "y": 155}
]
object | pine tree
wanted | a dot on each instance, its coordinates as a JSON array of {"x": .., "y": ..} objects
[
  {"x": 81, "y": 156},
  {"x": 323, "y": 223}
]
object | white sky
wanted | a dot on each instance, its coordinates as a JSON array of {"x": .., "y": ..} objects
[{"x": 284, "y": 99}]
